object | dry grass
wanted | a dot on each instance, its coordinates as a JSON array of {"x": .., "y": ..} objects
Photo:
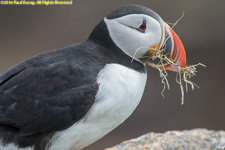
[{"x": 183, "y": 75}]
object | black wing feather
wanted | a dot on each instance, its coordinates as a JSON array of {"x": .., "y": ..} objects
[{"x": 47, "y": 93}]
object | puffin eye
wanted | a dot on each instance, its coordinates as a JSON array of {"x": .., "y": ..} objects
[{"x": 142, "y": 27}]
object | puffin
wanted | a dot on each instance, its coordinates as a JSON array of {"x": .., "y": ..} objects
[{"x": 68, "y": 98}]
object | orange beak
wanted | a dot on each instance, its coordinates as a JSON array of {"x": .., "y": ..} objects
[{"x": 174, "y": 50}]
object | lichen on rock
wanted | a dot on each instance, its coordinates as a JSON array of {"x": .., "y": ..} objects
[{"x": 195, "y": 139}]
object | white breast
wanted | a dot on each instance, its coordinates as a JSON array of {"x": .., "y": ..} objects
[{"x": 120, "y": 91}]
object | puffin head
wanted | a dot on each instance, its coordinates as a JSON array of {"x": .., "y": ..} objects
[{"x": 135, "y": 29}]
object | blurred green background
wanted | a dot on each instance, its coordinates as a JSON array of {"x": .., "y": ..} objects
[{"x": 29, "y": 30}]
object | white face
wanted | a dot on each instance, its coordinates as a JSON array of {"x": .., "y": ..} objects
[{"x": 126, "y": 33}]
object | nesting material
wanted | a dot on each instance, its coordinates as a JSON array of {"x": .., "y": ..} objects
[
  {"x": 160, "y": 56},
  {"x": 183, "y": 75}
]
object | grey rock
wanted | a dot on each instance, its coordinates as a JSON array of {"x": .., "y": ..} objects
[{"x": 195, "y": 139}]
